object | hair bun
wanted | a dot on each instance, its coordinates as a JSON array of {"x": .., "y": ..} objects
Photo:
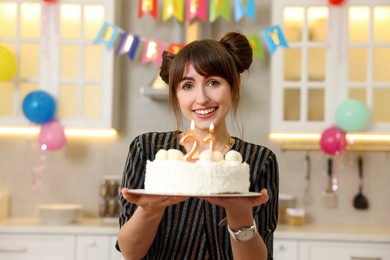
[
  {"x": 167, "y": 59},
  {"x": 238, "y": 45}
]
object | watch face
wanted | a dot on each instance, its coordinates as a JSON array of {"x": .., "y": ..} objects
[{"x": 246, "y": 234}]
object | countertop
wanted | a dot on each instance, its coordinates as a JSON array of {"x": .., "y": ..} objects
[{"x": 333, "y": 232}]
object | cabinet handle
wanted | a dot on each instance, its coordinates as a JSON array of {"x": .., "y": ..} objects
[
  {"x": 13, "y": 249},
  {"x": 365, "y": 258},
  {"x": 92, "y": 243},
  {"x": 281, "y": 248}
]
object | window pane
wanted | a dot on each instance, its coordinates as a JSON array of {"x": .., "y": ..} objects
[
  {"x": 292, "y": 104},
  {"x": 357, "y": 64},
  {"x": 316, "y": 64},
  {"x": 29, "y": 61},
  {"x": 70, "y": 21},
  {"x": 293, "y": 23},
  {"x": 8, "y": 20},
  {"x": 7, "y": 98},
  {"x": 30, "y": 20},
  {"x": 358, "y": 93},
  {"x": 359, "y": 24},
  {"x": 381, "y": 65},
  {"x": 292, "y": 64},
  {"x": 93, "y": 20},
  {"x": 382, "y": 24},
  {"x": 316, "y": 107},
  {"x": 92, "y": 101},
  {"x": 317, "y": 22},
  {"x": 93, "y": 62},
  {"x": 68, "y": 101},
  {"x": 381, "y": 105},
  {"x": 69, "y": 62}
]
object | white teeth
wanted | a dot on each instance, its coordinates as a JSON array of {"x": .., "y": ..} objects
[{"x": 205, "y": 111}]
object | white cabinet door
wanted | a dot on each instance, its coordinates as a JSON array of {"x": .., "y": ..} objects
[
  {"x": 36, "y": 247},
  {"x": 92, "y": 247},
  {"x": 115, "y": 254},
  {"x": 285, "y": 249},
  {"x": 344, "y": 251}
]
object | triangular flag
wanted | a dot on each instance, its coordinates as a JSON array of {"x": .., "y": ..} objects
[
  {"x": 147, "y": 6},
  {"x": 173, "y": 8},
  {"x": 152, "y": 52},
  {"x": 174, "y": 48},
  {"x": 256, "y": 46},
  {"x": 243, "y": 7},
  {"x": 219, "y": 8},
  {"x": 128, "y": 44},
  {"x": 108, "y": 34},
  {"x": 273, "y": 37},
  {"x": 196, "y": 8}
]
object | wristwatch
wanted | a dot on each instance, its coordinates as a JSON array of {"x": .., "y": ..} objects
[{"x": 243, "y": 234}]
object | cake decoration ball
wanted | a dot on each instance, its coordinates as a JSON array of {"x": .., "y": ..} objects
[
  {"x": 162, "y": 155},
  {"x": 218, "y": 156},
  {"x": 174, "y": 154},
  {"x": 207, "y": 155},
  {"x": 233, "y": 156}
]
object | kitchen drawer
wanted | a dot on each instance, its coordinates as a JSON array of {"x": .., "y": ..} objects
[
  {"x": 344, "y": 250},
  {"x": 285, "y": 249},
  {"x": 36, "y": 247}
]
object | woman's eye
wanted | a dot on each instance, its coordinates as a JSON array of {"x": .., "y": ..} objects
[
  {"x": 186, "y": 86},
  {"x": 213, "y": 83}
]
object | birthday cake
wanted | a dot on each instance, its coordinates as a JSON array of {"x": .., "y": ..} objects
[{"x": 211, "y": 174}]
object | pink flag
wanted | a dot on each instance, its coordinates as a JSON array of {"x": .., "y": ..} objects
[
  {"x": 196, "y": 8},
  {"x": 152, "y": 52}
]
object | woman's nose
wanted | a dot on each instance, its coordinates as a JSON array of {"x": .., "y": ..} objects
[{"x": 202, "y": 97}]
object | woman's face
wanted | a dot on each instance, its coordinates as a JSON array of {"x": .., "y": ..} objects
[{"x": 206, "y": 100}]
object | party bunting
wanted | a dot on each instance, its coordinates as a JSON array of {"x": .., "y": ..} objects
[
  {"x": 173, "y": 8},
  {"x": 244, "y": 8},
  {"x": 128, "y": 44},
  {"x": 108, "y": 34},
  {"x": 219, "y": 8},
  {"x": 255, "y": 44},
  {"x": 153, "y": 52},
  {"x": 196, "y": 8},
  {"x": 274, "y": 37},
  {"x": 147, "y": 7}
]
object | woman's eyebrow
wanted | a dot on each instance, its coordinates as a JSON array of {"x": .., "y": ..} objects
[{"x": 186, "y": 78}]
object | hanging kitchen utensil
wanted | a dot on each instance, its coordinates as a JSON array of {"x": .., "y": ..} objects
[
  {"x": 360, "y": 201},
  {"x": 330, "y": 196},
  {"x": 307, "y": 171}
]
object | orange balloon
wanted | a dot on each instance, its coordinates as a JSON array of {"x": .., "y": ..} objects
[{"x": 8, "y": 64}]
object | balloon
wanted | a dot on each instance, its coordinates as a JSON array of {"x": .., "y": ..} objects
[
  {"x": 352, "y": 115},
  {"x": 39, "y": 107},
  {"x": 8, "y": 64},
  {"x": 333, "y": 141},
  {"x": 52, "y": 136},
  {"x": 336, "y": 2}
]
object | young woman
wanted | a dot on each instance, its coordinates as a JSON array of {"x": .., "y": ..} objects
[{"x": 204, "y": 86}]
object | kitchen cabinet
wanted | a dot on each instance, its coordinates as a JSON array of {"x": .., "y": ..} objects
[
  {"x": 335, "y": 53},
  {"x": 320, "y": 250},
  {"x": 53, "y": 43},
  {"x": 285, "y": 249},
  {"x": 36, "y": 247}
]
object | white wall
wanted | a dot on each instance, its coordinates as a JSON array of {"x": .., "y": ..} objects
[{"x": 72, "y": 174}]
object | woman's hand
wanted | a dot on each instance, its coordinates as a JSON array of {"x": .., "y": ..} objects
[{"x": 151, "y": 202}]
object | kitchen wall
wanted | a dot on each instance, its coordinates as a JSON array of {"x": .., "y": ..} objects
[{"x": 72, "y": 174}]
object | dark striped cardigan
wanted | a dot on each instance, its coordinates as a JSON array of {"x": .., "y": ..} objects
[{"x": 190, "y": 230}]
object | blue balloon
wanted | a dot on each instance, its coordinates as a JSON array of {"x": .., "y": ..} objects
[
  {"x": 352, "y": 115},
  {"x": 39, "y": 107}
]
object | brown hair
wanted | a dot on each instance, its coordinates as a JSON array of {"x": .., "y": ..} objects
[{"x": 226, "y": 58}]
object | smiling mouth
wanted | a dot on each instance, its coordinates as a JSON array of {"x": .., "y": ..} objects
[{"x": 205, "y": 112}]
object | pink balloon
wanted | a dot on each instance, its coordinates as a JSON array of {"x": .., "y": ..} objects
[
  {"x": 333, "y": 141},
  {"x": 52, "y": 136}
]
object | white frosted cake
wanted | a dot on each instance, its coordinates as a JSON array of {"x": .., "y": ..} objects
[{"x": 211, "y": 174}]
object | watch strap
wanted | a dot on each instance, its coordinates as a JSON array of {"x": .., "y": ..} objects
[{"x": 235, "y": 234}]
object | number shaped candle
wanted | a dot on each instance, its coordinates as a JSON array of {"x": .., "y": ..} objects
[
  {"x": 190, "y": 137},
  {"x": 210, "y": 138}
]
